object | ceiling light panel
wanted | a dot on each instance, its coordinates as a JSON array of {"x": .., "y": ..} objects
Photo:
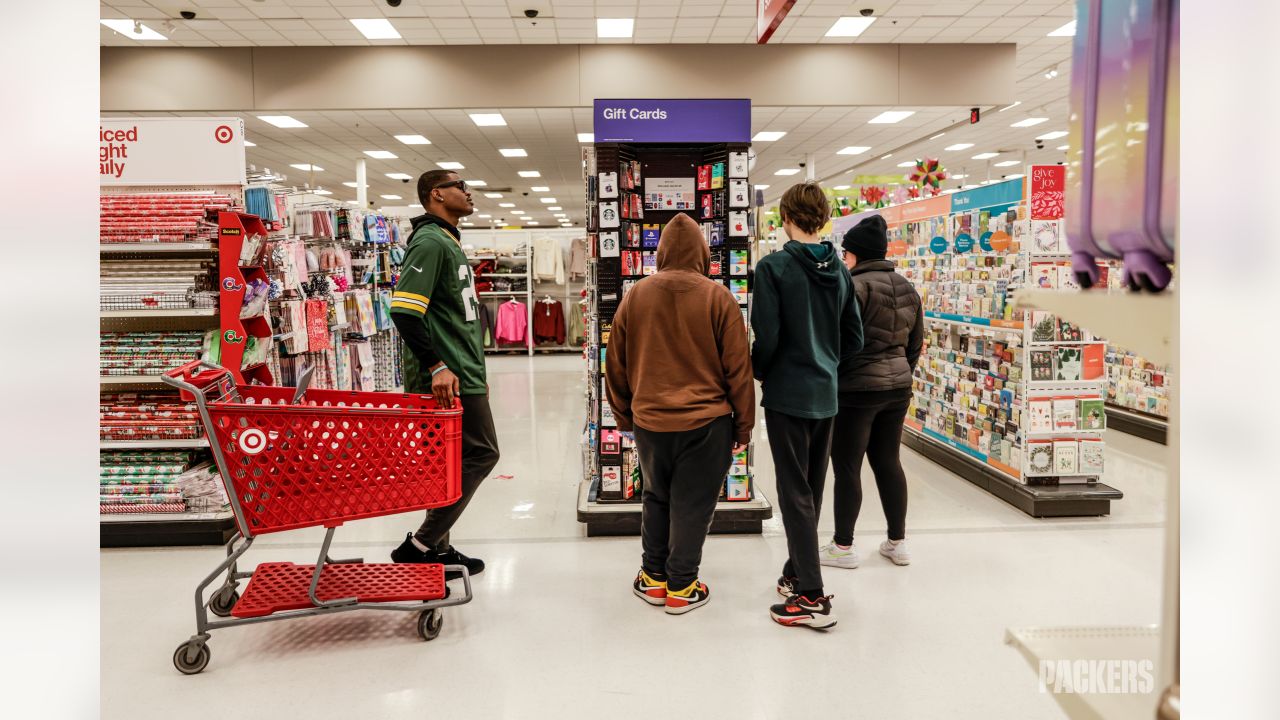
[
  {"x": 1052, "y": 135},
  {"x": 530, "y": 174},
  {"x": 413, "y": 139},
  {"x": 1006, "y": 163},
  {"x": 547, "y": 200},
  {"x": 768, "y": 135},
  {"x": 1029, "y": 122},
  {"x": 376, "y": 28},
  {"x": 450, "y": 165},
  {"x": 586, "y": 137},
  {"x": 958, "y": 147},
  {"x": 889, "y": 117},
  {"x": 853, "y": 150},
  {"x": 395, "y": 176},
  {"x": 307, "y": 167},
  {"x": 847, "y": 27},
  {"x": 381, "y": 154},
  {"x": 1068, "y": 30},
  {"x": 488, "y": 119},
  {"x": 128, "y": 27},
  {"x": 985, "y": 156},
  {"x": 615, "y": 27},
  {"x": 513, "y": 152},
  {"x": 282, "y": 121},
  {"x": 786, "y": 171},
  {"x": 390, "y": 197}
]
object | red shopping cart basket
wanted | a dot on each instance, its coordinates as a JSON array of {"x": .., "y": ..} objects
[{"x": 295, "y": 458}]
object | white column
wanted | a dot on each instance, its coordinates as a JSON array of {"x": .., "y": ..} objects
[
  {"x": 362, "y": 191},
  {"x": 811, "y": 167}
]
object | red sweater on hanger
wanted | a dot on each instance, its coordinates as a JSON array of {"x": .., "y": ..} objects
[{"x": 548, "y": 322}]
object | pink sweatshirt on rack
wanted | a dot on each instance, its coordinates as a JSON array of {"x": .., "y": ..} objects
[{"x": 512, "y": 322}]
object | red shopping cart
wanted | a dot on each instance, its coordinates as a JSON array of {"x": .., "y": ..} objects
[{"x": 296, "y": 458}]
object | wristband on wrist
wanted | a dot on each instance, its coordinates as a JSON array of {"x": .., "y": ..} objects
[{"x": 437, "y": 370}]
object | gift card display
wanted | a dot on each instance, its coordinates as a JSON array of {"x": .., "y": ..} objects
[
  {"x": 609, "y": 217},
  {"x": 738, "y": 165},
  {"x": 608, "y": 185},
  {"x": 609, "y": 245},
  {"x": 739, "y": 194},
  {"x": 738, "y": 224}
]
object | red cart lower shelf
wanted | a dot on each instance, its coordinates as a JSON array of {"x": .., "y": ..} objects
[{"x": 280, "y": 586}]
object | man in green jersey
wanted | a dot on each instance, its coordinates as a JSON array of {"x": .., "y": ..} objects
[{"x": 435, "y": 309}]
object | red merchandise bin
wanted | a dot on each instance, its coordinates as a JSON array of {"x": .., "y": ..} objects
[{"x": 294, "y": 458}]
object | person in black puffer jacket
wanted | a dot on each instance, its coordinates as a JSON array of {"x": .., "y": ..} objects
[{"x": 874, "y": 392}]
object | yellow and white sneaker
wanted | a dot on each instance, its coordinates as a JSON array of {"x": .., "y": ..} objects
[
  {"x": 682, "y": 601},
  {"x": 650, "y": 589}
]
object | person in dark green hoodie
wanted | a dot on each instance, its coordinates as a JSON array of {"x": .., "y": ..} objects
[
  {"x": 805, "y": 318},
  {"x": 435, "y": 309}
]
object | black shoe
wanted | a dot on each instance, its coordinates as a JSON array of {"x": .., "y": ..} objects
[
  {"x": 800, "y": 610},
  {"x": 409, "y": 553},
  {"x": 474, "y": 566},
  {"x": 786, "y": 586}
]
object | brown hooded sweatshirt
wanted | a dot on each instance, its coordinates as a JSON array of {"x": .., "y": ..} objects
[{"x": 678, "y": 356}]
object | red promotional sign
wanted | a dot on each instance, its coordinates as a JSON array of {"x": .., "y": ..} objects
[
  {"x": 769, "y": 15},
  {"x": 1048, "y": 186}
]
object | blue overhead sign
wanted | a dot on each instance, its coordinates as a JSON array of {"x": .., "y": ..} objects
[{"x": 1003, "y": 193}]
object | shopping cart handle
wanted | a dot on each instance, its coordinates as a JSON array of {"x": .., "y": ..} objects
[{"x": 193, "y": 377}]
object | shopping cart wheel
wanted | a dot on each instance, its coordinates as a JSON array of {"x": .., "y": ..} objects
[
  {"x": 188, "y": 666},
  {"x": 223, "y": 601},
  {"x": 429, "y": 624}
]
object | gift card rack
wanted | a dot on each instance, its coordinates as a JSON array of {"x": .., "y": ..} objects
[{"x": 624, "y": 224}]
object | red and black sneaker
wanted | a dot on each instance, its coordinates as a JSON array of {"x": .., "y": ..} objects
[
  {"x": 695, "y": 596},
  {"x": 800, "y": 610},
  {"x": 650, "y": 589},
  {"x": 786, "y": 586}
]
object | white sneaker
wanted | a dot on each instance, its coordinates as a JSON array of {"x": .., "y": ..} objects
[
  {"x": 833, "y": 555},
  {"x": 896, "y": 551}
]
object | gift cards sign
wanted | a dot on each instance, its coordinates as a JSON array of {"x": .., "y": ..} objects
[
  {"x": 171, "y": 151},
  {"x": 712, "y": 120}
]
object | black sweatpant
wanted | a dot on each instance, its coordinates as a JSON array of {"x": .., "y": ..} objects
[
  {"x": 683, "y": 472},
  {"x": 479, "y": 455},
  {"x": 800, "y": 449},
  {"x": 870, "y": 424}
]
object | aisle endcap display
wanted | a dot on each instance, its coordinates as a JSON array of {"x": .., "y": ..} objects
[{"x": 632, "y": 190}]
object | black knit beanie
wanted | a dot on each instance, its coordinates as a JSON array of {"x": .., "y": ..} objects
[{"x": 869, "y": 239}]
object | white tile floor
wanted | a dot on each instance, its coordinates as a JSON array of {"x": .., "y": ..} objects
[{"x": 555, "y": 632}]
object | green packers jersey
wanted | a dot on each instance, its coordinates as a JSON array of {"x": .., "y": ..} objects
[{"x": 436, "y": 284}]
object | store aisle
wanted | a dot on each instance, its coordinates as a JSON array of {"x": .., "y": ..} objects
[{"x": 554, "y": 616}]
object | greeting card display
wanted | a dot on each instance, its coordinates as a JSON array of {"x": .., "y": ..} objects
[
  {"x": 1067, "y": 363},
  {"x": 1066, "y": 457},
  {"x": 1092, "y": 455}
]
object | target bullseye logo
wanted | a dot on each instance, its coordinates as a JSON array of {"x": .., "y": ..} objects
[
  {"x": 223, "y": 134},
  {"x": 253, "y": 441}
]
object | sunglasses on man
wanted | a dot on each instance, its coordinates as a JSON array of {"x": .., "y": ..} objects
[{"x": 460, "y": 184}]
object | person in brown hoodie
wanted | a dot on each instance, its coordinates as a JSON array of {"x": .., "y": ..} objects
[{"x": 678, "y": 373}]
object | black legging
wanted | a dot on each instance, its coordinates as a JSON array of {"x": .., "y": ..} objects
[{"x": 871, "y": 427}]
